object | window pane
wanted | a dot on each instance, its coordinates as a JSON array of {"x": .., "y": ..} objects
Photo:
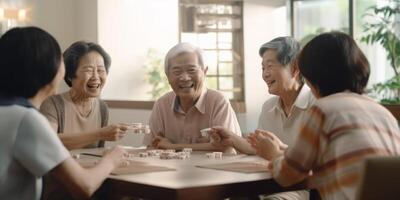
[
  {"x": 312, "y": 17},
  {"x": 212, "y": 83},
  {"x": 375, "y": 53},
  {"x": 225, "y": 68},
  {"x": 224, "y": 45},
  {"x": 225, "y": 55},
  {"x": 225, "y": 36},
  {"x": 207, "y": 40},
  {"x": 214, "y": 24},
  {"x": 225, "y": 83},
  {"x": 225, "y": 40},
  {"x": 211, "y": 60}
]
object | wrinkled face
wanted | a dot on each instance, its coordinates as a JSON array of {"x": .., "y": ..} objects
[
  {"x": 90, "y": 76},
  {"x": 277, "y": 76},
  {"x": 186, "y": 76}
]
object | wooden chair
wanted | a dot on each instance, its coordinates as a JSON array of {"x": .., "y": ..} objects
[
  {"x": 394, "y": 109},
  {"x": 381, "y": 179}
]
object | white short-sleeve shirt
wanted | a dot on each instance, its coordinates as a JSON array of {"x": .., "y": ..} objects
[
  {"x": 29, "y": 149},
  {"x": 274, "y": 119}
]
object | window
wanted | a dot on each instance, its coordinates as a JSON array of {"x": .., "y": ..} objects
[
  {"x": 216, "y": 27},
  {"x": 138, "y": 49},
  {"x": 312, "y": 17},
  {"x": 376, "y": 54}
]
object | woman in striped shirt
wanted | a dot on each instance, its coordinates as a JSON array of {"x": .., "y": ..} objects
[{"x": 340, "y": 130}]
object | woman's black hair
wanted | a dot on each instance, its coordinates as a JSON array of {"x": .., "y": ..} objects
[
  {"x": 29, "y": 59},
  {"x": 332, "y": 62}
]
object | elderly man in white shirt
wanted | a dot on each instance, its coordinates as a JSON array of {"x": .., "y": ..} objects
[{"x": 282, "y": 113}]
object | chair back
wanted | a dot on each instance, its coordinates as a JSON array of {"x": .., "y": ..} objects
[{"x": 381, "y": 179}]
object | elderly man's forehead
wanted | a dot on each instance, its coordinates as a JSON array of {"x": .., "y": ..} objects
[
  {"x": 184, "y": 57},
  {"x": 183, "y": 53},
  {"x": 184, "y": 66}
]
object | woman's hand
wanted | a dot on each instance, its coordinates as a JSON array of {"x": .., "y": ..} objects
[
  {"x": 282, "y": 145},
  {"x": 118, "y": 156},
  {"x": 113, "y": 132},
  {"x": 266, "y": 144}
]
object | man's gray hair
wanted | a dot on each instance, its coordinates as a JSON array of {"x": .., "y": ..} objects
[
  {"x": 287, "y": 49},
  {"x": 182, "y": 48}
]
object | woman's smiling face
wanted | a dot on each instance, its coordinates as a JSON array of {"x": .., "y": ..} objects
[
  {"x": 277, "y": 76},
  {"x": 90, "y": 76}
]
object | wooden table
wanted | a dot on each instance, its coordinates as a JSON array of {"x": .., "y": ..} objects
[{"x": 188, "y": 181}]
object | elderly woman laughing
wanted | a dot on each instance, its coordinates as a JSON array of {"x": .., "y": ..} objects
[{"x": 78, "y": 115}]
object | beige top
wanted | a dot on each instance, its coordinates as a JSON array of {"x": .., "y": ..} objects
[
  {"x": 168, "y": 120},
  {"x": 274, "y": 119},
  {"x": 74, "y": 121}
]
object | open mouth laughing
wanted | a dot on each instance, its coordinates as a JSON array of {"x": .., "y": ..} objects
[
  {"x": 186, "y": 86},
  {"x": 93, "y": 85},
  {"x": 270, "y": 82}
]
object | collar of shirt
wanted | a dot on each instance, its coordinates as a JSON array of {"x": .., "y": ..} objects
[
  {"x": 302, "y": 99},
  {"x": 200, "y": 104},
  {"x": 8, "y": 101}
]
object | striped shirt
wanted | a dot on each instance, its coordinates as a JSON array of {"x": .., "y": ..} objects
[{"x": 338, "y": 133}]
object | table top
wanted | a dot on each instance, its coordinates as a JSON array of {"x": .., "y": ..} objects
[{"x": 187, "y": 177}]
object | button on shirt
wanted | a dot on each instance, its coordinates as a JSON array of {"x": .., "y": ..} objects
[
  {"x": 170, "y": 121},
  {"x": 274, "y": 119}
]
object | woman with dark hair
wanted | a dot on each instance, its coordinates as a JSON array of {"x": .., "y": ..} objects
[
  {"x": 79, "y": 116},
  {"x": 340, "y": 130},
  {"x": 31, "y": 70}
]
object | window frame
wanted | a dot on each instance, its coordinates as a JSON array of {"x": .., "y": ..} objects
[{"x": 350, "y": 12}]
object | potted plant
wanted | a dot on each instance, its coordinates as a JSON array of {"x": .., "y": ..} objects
[
  {"x": 155, "y": 75},
  {"x": 383, "y": 26}
]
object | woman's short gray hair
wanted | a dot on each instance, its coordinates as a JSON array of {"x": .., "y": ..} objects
[
  {"x": 182, "y": 48},
  {"x": 287, "y": 48}
]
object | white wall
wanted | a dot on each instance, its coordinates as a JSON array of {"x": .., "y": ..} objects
[
  {"x": 55, "y": 16},
  {"x": 127, "y": 38},
  {"x": 67, "y": 20},
  {"x": 86, "y": 18}
]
